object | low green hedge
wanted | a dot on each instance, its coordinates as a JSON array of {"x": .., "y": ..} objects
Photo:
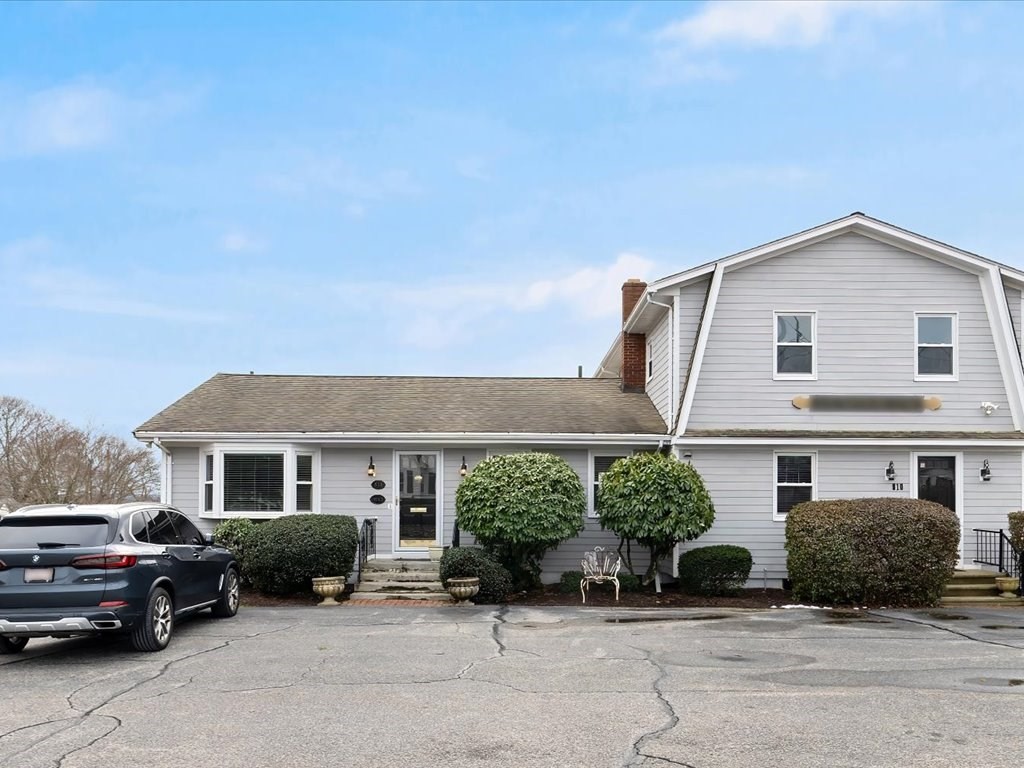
[
  {"x": 881, "y": 551},
  {"x": 1017, "y": 530},
  {"x": 721, "y": 569},
  {"x": 495, "y": 580},
  {"x": 282, "y": 556}
]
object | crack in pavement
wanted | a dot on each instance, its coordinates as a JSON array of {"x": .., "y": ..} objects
[
  {"x": 951, "y": 630},
  {"x": 83, "y": 716},
  {"x": 640, "y": 757}
]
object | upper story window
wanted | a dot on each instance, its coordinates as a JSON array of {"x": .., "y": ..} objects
[
  {"x": 795, "y": 348},
  {"x": 935, "y": 355},
  {"x": 254, "y": 481}
]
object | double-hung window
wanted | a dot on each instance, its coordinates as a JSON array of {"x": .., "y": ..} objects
[
  {"x": 257, "y": 481},
  {"x": 794, "y": 481},
  {"x": 599, "y": 465},
  {"x": 795, "y": 345},
  {"x": 935, "y": 355}
]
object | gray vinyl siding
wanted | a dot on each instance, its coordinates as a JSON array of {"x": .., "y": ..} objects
[
  {"x": 345, "y": 487},
  {"x": 185, "y": 485},
  {"x": 741, "y": 481},
  {"x": 1013, "y": 298},
  {"x": 865, "y": 294},
  {"x": 691, "y": 306},
  {"x": 659, "y": 386}
]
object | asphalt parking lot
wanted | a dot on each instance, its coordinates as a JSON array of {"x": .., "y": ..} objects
[{"x": 354, "y": 686}]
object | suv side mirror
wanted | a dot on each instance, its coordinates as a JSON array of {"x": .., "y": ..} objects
[{"x": 208, "y": 538}]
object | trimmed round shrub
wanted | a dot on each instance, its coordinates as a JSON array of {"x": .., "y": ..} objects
[
  {"x": 569, "y": 582},
  {"x": 881, "y": 551},
  {"x": 518, "y": 507},
  {"x": 721, "y": 569},
  {"x": 495, "y": 580},
  {"x": 283, "y": 555}
]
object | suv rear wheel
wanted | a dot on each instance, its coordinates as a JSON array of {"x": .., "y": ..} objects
[
  {"x": 227, "y": 605},
  {"x": 153, "y": 632},
  {"x": 12, "y": 644}
]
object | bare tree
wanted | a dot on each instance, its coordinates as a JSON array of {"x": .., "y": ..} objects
[{"x": 44, "y": 459}]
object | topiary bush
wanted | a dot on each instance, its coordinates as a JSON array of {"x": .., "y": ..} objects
[
  {"x": 885, "y": 550},
  {"x": 721, "y": 569},
  {"x": 495, "y": 580},
  {"x": 284, "y": 554},
  {"x": 518, "y": 507},
  {"x": 657, "y": 501},
  {"x": 570, "y": 582}
]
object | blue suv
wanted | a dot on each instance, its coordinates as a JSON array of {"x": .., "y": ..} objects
[{"x": 108, "y": 568}]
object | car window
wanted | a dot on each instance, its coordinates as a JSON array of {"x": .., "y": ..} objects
[
  {"x": 188, "y": 532},
  {"x": 140, "y": 527},
  {"x": 53, "y": 532},
  {"x": 161, "y": 528}
]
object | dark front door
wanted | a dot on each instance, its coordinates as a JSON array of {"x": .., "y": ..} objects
[
  {"x": 417, "y": 500},
  {"x": 936, "y": 480}
]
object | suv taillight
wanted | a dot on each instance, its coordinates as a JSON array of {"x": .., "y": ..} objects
[{"x": 106, "y": 562}]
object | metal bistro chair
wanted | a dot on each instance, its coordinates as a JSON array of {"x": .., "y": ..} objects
[{"x": 598, "y": 567}]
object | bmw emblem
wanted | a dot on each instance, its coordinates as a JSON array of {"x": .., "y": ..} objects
[{"x": 35, "y": 558}]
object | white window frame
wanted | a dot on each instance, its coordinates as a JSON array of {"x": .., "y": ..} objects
[
  {"x": 955, "y": 376},
  {"x": 775, "y": 480},
  {"x": 288, "y": 450},
  {"x": 592, "y": 479},
  {"x": 649, "y": 361},
  {"x": 813, "y": 375},
  {"x": 311, "y": 482},
  {"x": 204, "y": 456}
]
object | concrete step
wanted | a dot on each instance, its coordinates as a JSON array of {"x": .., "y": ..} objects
[
  {"x": 374, "y": 576},
  {"x": 369, "y": 597},
  {"x": 400, "y": 586},
  {"x": 401, "y": 565},
  {"x": 973, "y": 576},
  {"x": 987, "y": 602},
  {"x": 971, "y": 589}
]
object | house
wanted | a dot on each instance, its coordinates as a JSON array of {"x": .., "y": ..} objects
[{"x": 851, "y": 359}]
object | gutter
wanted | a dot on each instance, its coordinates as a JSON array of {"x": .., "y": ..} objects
[{"x": 409, "y": 438}]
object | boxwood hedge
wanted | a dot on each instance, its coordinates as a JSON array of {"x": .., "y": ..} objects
[
  {"x": 879, "y": 550},
  {"x": 721, "y": 569},
  {"x": 283, "y": 555},
  {"x": 495, "y": 580}
]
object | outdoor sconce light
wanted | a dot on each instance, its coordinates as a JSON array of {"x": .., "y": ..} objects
[
  {"x": 371, "y": 470},
  {"x": 463, "y": 470},
  {"x": 688, "y": 457},
  {"x": 890, "y": 472},
  {"x": 986, "y": 473}
]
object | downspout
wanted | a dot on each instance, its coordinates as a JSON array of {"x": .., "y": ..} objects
[
  {"x": 165, "y": 472},
  {"x": 673, "y": 371}
]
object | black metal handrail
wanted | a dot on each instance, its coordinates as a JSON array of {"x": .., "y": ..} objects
[
  {"x": 995, "y": 548},
  {"x": 367, "y": 543}
]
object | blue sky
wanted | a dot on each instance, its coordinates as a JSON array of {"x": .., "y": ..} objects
[{"x": 453, "y": 189}]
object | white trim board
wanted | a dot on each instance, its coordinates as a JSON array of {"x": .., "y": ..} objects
[
  {"x": 412, "y": 438},
  {"x": 826, "y": 442},
  {"x": 707, "y": 319}
]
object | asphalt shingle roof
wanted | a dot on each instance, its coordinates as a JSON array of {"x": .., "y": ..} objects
[{"x": 408, "y": 404}]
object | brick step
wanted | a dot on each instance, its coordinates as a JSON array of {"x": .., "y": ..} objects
[{"x": 400, "y": 586}]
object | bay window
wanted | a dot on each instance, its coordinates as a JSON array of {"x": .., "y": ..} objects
[{"x": 264, "y": 481}]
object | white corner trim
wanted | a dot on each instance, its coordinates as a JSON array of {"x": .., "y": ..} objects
[
  {"x": 702, "y": 343},
  {"x": 677, "y": 309},
  {"x": 998, "y": 311}
]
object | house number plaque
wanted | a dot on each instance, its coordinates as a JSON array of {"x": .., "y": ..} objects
[
  {"x": 377, "y": 499},
  {"x": 378, "y": 485}
]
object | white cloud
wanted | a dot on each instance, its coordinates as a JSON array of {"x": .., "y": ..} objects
[
  {"x": 446, "y": 312},
  {"x": 770, "y": 23},
  {"x": 237, "y": 241}
]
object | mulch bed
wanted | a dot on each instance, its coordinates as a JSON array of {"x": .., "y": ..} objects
[{"x": 599, "y": 597}]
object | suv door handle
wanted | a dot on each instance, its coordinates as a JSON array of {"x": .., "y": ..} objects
[
  {"x": 166, "y": 554},
  {"x": 196, "y": 555}
]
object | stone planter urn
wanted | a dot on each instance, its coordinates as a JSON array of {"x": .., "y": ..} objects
[
  {"x": 329, "y": 587},
  {"x": 463, "y": 587},
  {"x": 1007, "y": 586}
]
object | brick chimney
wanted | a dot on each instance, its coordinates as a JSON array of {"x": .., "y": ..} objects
[{"x": 634, "y": 345}]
